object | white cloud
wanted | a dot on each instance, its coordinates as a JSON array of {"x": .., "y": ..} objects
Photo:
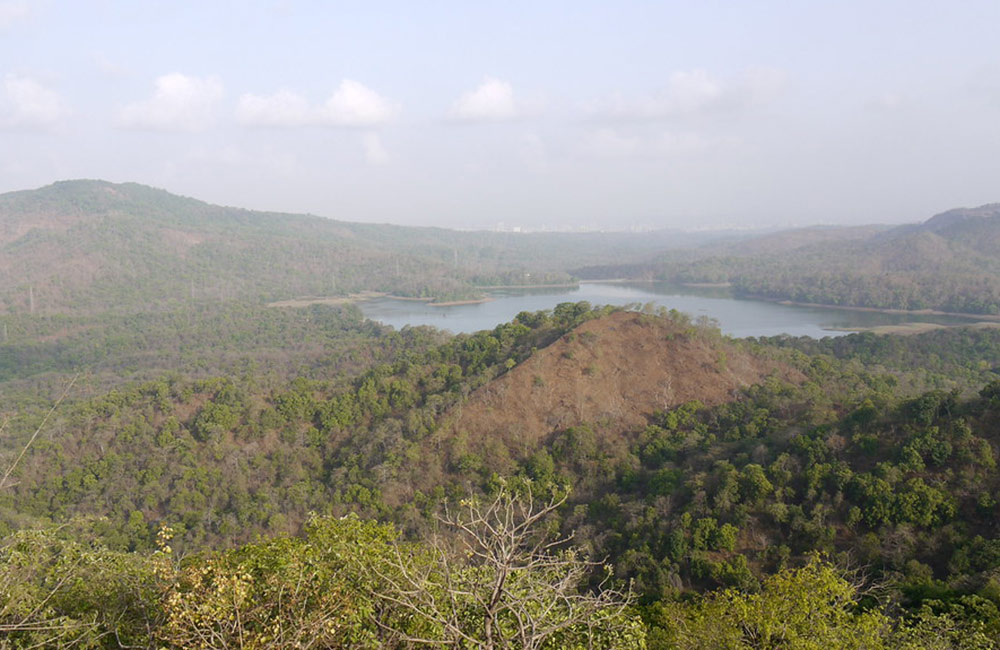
[
  {"x": 375, "y": 152},
  {"x": 27, "y": 104},
  {"x": 180, "y": 103},
  {"x": 492, "y": 101},
  {"x": 13, "y": 11},
  {"x": 696, "y": 92},
  {"x": 354, "y": 104},
  {"x": 351, "y": 105}
]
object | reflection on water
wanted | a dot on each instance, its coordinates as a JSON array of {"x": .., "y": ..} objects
[{"x": 736, "y": 317}]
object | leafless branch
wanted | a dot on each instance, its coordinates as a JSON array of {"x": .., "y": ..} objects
[
  {"x": 504, "y": 583},
  {"x": 24, "y": 450}
]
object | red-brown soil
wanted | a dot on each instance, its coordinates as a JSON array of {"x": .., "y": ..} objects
[{"x": 611, "y": 372}]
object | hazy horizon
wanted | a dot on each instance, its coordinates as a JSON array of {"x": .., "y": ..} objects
[{"x": 583, "y": 114}]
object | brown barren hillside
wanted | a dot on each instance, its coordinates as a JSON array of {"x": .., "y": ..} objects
[{"x": 612, "y": 372}]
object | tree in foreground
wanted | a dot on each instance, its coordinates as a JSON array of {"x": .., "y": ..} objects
[
  {"x": 287, "y": 592},
  {"x": 810, "y": 608},
  {"x": 497, "y": 578},
  {"x": 61, "y": 593},
  {"x": 503, "y": 582}
]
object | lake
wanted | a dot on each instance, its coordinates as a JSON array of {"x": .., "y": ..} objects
[{"x": 736, "y": 317}]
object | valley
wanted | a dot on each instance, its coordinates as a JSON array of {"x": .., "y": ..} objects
[{"x": 237, "y": 420}]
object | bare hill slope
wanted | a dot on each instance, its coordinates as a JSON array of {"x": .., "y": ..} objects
[{"x": 612, "y": 372}]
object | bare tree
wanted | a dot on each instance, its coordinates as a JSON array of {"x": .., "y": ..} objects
[{"x": 501, "y": 580}]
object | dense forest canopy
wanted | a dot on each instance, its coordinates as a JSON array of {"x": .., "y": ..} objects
[
  {"x": 875, "y": 452},
  {"x": 186, "y": 466}
]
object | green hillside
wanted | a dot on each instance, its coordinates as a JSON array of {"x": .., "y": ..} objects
[
  {"x": 874, "y": 451},
  {"x": 182, "y": 465},
  {"x": 94, "y": 246},
  {"x": 948, "y": 263}
]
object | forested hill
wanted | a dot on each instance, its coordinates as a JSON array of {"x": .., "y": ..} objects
[
  {"x": 947, "y": 263},
  {"x": 90, "y": 246},
  {"x": 157, "y": 415},
  {"x": 414, "y": 423},
  {"x": 703, "y": 463},
  {"x": 959, "y": 219},
  {"x": 96, "y": 246}
]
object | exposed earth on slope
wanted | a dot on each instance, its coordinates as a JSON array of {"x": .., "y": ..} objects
[{"x": 612, "y": 373}]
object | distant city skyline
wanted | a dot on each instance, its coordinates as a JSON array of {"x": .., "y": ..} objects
[{"x": 562, "y": 115}]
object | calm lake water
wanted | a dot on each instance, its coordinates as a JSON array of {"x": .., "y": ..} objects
[{"x": 736, "y": 317}]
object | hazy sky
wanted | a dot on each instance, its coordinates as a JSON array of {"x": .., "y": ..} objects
[{"x": 464, "y": 114}]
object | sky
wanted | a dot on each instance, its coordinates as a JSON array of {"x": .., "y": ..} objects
[{"x": 535, "y": 114}]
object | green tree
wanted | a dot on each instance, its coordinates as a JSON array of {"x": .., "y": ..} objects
[
  {"x": 303, "y": 592},
  {"x": 811, "y": 608}
]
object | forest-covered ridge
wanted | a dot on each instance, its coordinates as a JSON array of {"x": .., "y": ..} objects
[
  {"x": 710, "y": 475},
  {"x": 93, "y": 246},
  {"x": 878, "y": 451},
  {"x": 399, "y": 422},
  {"x": 947, "y": 263}
]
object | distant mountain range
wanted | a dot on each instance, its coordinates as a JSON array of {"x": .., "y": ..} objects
[
  {"x": 949, "y": 262},
  {"x": 94, "y": 246},
  {"x": 952, "y": 219}
]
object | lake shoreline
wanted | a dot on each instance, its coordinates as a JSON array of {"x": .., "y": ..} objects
[
  {"x": 817, "y": 305},
  {"x": 501, "y": 287},
  {"x": 707, "y": 285},
  {"x": 306, "y": 301},
  {"x": 906, "y": 329},
  {"x": 457, "y": 303},
  {"x": 738, "y": 318},
  {"x": 881, "y": 310}
]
